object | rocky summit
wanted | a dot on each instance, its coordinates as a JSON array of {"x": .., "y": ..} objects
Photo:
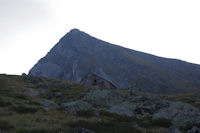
[{"x": 82, "y": 58}]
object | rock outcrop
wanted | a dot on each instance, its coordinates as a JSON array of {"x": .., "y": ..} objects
[
  {"x": 125, "y": 108},
  {"x": 194, "y": 130},
  {"x": 46, "y": 103},
  {"x": 103, "y": 97},
  {"x": 79, "y": 108},
  {"x": 180, "y": 113}
]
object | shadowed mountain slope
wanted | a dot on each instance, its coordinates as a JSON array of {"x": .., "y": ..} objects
[{"x": 78, "y": 55}]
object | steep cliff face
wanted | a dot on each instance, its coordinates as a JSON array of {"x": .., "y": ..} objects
[{"x": 78, "y": 54}]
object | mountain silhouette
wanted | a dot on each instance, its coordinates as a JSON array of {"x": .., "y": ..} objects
[{"x": 82, "y": 58}]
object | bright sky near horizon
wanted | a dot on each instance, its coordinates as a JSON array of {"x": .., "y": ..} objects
[{"x": 30, "y": 28}]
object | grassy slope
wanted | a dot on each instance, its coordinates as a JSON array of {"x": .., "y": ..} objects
[{"x": 22, "y": 114}]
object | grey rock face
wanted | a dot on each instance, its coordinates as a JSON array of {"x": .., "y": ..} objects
[
  {"x": 78, "y": 54},
  {"x": 103, "y": 97},
  {"x": 180, "y": 114}
]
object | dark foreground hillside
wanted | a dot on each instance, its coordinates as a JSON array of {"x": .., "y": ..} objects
[{"x": 43, "y": 105}]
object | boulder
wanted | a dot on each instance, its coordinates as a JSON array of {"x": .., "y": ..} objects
[
  {"x": 125, "y": 108},
  {"x": 47, "y": 103},
  {"x": 57, "y": 94},
  {"x": 194, "y": 130},
  {"x": 173, "y": 130},
  {"x": 138, "y": 98},
  {"x": 142, "y": 110},
  {"x": 82, "y": 130},
  {"x": 146, "y": 106},
  {"x": 180, "y": 114},
  {"x": 80, "y": 108},
  {"x": 103, "y": 97},
  {"x": 31, "y": 92}
]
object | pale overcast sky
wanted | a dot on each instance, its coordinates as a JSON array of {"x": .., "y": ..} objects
[{"x": 30, "y": 28}]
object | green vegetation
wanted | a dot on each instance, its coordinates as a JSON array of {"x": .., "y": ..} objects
[
  {"x": 191, "y": 98},
  {"x": 107, "y": 127},
  {"x": 88, "y": 113},
  {"x": 146, "y": 122},
  {"x": 25, "y": 109},
  {"x": 20, "y": 113},
  {"x": 162, "y": 123},
  {"x": 189, "y": 127},
  {"x": 23, "y": 114},
  {"x": 38, "y": 130},
  {"x": 5, "y": 124},
  {"x": 4, "y": 103}
]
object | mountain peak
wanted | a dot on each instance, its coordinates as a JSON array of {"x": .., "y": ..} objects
[
  {"x": 79, "y": 56},
  {"x": 74, "y": 30},
  {"x": 76, "y": 33}
]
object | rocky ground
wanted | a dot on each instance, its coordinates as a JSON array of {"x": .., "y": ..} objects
[{"x": 43, "y": 105}]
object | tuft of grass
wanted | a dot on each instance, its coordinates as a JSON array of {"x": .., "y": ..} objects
[
  {"x": 191, "y": 98},
  {"x": 107, "y": 127},
  {"x": 5, "y": 124},
  {"x": 4, "y": 103},
  {"x": 38, "y": 130},
  {"x": 189, "y": 127},
  {"x": 117, "y": 117},
  {"x": 86, "y": 113},
  {"x": 145, "y": 122},
  {"x": 25, "y": 109},
  {"x": 162, "y": 123}
]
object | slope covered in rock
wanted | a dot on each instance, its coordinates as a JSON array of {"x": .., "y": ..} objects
[
  {"x": 83, "y": 58},
  {"x": 44, "y": 105}
]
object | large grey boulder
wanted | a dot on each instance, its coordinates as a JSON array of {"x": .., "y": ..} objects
[
  {"x": 139, "y": 106},
  {"x": 78, "y": 55},
  {"x": 103, "y": 97},
  {"x": 180, "y": 114},
  {"x": 146, "y": 106},
  {"x": 47, "y": 103},
  {"x": 125, "y": 108},
  {"x": 173, "y": 130},
  {"x": 79, "y": 107}
]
